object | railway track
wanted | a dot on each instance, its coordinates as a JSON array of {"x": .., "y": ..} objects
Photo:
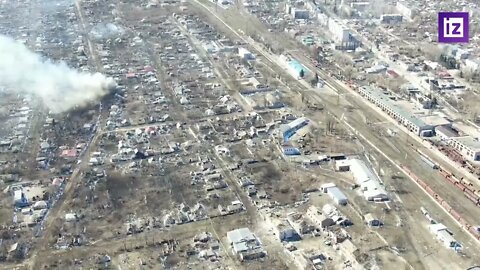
[{"x": 357, "y": 127}]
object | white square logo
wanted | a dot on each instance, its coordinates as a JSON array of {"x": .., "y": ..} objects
[{"x": 453, "y": 27}]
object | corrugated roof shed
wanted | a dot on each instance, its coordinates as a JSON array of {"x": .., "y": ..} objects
[
  {"x": 337, "y": 195},
  {"x": 360, "y": 171},
  {"x": 297, "y": 122}
]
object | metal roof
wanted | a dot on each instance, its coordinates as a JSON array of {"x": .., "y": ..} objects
[
  {"x": 447, "y": 131},
  {"x": 336, "y": 193},
  {"x": 368, "y": 181},
  {"x": 387, "y": 102},
  {"x": 297, "y": 122},
  {"x": 360, "y": 171},
  {"x": 294, "y": 124},
  {"x": 240, "y": 235}
]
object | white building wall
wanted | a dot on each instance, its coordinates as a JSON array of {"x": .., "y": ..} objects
[
  {"x": 339, "y": 32},
  {"x": 322, "y": 19},
  {"x": 245, "y": 54},
  {"x": 405, "y": 10},
  {"x": 472, "y": 65},
  {"x": 300, "y": 13},
  {"x": 466, "y": 151},
  {"x": 288, "y": 8}
]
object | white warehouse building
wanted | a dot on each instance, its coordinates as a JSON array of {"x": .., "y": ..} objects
[{"x": 369, "y": 183}]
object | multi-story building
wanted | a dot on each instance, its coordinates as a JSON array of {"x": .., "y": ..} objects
[
  {"x": 468, "y": 146},
  {"x": 360, "y": 6},
  {"x": 245, "y": 244},
  {"x": 342, "y": 36},
  {"x": 297, "y": 9},
  {"x": 300, "y": 14}
]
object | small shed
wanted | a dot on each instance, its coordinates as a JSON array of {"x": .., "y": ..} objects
[
  {"x": 372, "y": 221},
  {"x": 325, "y": 187},
  {"x": 70, "y": 217},
  {"x": 40, "y": 205}
]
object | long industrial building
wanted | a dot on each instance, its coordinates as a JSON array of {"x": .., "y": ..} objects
[
  {"x": 288, "y": 130},
  {"x": 384, "y": 102}
]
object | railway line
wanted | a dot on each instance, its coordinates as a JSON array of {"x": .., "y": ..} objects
[{"x": 405, "y": 142}]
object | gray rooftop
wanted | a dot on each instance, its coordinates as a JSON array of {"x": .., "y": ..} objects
[
  {"x": 470, "y": 142},
  {"x": 240, "y": 235},
  {"x": 447, "y": 131},
  {"x": 337, "y": 193}
]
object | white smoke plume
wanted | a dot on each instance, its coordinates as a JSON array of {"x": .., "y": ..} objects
[{"x": 60, "y": 87}]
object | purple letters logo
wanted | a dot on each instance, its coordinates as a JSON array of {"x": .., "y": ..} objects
[{"x": 453, "y": 27}]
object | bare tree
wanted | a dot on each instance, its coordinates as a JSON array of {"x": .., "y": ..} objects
[
  {"x": 342, "y": 59},
  {"x": 432, "y": 52},
  {"x": 372, "y": 78},
  {"x": 394, "y": 84},
  {"x": 468, "y": 74},
  {"x": 329, "y": 125},
  {"x": 349, "y": 72},
  {"x": 470, "y": 106}
]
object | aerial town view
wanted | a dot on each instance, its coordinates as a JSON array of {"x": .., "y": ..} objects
[{"x": 240, "y": 134}]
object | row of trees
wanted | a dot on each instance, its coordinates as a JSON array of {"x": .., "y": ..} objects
[{"x": 393, "y": 84}]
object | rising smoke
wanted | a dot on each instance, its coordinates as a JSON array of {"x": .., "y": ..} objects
[{"x": 60, "y": 87}]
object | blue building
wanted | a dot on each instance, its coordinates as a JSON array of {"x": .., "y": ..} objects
[
  {"x": 288, "y": 130},
  {"x": 291, "y": 151}
]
